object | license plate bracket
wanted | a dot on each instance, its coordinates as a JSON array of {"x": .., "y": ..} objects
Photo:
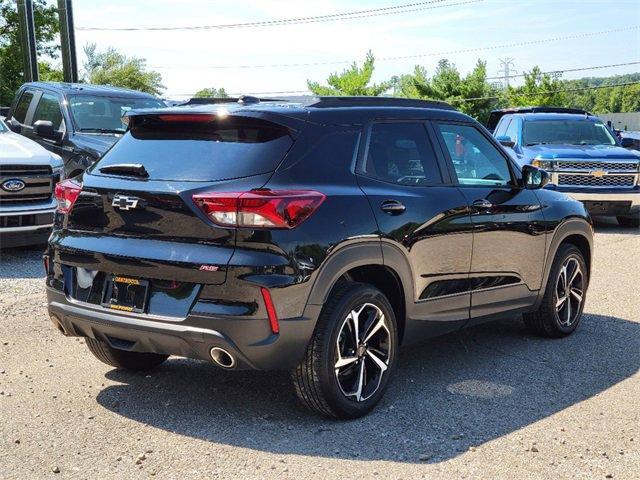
[{"x": 125, "y": 294}]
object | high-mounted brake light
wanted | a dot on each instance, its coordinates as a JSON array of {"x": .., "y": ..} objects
[
  {"x": 182, "y": 117},
  {"x": 260, "y": 208},
  {"x": 67, "y": 193}
]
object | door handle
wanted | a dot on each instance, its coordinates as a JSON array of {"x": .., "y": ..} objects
[
  {"x": 482, "y": 204},
  {"x": 392, "y": 207}
]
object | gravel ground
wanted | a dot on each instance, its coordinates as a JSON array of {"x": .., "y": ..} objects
[{"x": 488, "y": 402}]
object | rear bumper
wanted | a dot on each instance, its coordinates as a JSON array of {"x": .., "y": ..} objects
[
  {"x": 192, "y": 337},
  {"x": 607, "y": 202}
]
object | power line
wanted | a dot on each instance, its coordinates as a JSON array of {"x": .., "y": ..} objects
[
  {"x": 421, "y": 55},
  {"x": 568, "y": 70},
  {"x": 332, "y": 17},
  {"x": 548, "y": 92}
]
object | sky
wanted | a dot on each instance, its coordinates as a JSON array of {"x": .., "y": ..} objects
[{"x": 190, "y": 60}]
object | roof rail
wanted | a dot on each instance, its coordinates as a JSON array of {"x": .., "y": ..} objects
[{"x": 333, "y": 102}]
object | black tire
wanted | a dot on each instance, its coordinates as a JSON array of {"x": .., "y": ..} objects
[
  {"x": 546, "y": 320},
  {"x": 315, "y": 378},
  {"x": 629, "y": 222},
  {"x": 135, "y": 361}
]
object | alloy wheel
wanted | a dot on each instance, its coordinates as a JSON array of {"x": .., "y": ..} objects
[
  {"x": 569, "y": 292},
  {"x": 363, "y": 352}
]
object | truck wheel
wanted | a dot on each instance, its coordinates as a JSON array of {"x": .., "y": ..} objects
[
  {"x": 561, "y": 308},
  {"x": 135, "y": 361},
  {"x": 352, "y": 354},
  {"x": 629, "y": 222}
]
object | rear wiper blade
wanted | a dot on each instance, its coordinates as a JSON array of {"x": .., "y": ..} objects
[{"x": 126, "y": 169}]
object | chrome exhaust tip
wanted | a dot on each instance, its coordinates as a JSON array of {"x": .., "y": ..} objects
[
  {"x": 222, "y": 358},
  {"x": 58, "y": 324}
]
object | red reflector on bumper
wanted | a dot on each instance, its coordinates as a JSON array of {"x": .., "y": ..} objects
[{"x": 271, "y": 311}]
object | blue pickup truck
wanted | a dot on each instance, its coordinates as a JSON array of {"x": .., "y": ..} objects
[{"x": 583, "y": 157}]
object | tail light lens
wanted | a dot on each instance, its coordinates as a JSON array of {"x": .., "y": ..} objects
[
  {"x": 260, "y": 208},
  {"x": 66, "y": 193}
]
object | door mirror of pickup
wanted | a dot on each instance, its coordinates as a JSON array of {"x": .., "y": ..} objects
[
  {"x": 627, "y": 142},
  {"x": 506, "y": 141},
  {"x": 534, "y": 177},
  {"x": 14, "y": 125},
  {"x": 44, "y": 129}
]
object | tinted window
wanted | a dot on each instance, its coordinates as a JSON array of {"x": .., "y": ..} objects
[
  {"x": 475, "y": 159},
  {"x": 401, "y": 153},
  {"x": 512, "y": 131},
  {"x": 20, "y": 113},
  {"x": 567, "y": 132},
  {"x": 97, "y": 113},
  {"x": 230, "y": 147},
  {"x": 49, "y": 109}
]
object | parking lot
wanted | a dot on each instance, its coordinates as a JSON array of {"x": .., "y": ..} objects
[{"x": 488, "y": 402}]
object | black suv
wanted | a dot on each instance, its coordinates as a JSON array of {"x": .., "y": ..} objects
[
  {"x": 316, "y": 236},
  {"x": 77, "y": 121}
]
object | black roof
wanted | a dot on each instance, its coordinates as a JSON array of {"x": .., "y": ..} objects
[
  {"x": 321, "y": 110},
  {"x": 328, "y": 102},
  {"x": 89, "y": 89}
]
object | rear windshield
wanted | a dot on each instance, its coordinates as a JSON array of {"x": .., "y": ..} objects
[
  {"x": 566, "y": 132},
  {"x": 219, "y": 149}
]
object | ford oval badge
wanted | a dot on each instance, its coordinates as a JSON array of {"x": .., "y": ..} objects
[{"x": 13, "y": 185}]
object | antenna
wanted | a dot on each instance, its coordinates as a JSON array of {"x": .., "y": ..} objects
[{"x": 506, "y": 71}]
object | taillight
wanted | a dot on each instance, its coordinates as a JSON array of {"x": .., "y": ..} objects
[
  {"x": 66, "y": 193},
  {"x": 260, "y": 208}
]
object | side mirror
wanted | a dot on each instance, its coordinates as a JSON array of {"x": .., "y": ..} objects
[
  {"x": 44, "y": 129},
  {"x": 14, "y": 125},
  {"x": 506, "y": 141},
  {"x": 534, "y": 177},
  {"x": 627, "y": 142}
]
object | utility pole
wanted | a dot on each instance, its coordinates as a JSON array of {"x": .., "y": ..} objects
[
  {"x": 506, "y": 71},
  {"x": 28, "y": 36},
  {"x": 68, "y": 41}
]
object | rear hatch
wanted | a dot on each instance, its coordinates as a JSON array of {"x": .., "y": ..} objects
[{"x": 135, "y": 215}]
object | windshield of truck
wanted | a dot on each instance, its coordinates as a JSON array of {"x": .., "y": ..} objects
[
  {"x": 566, "y": 132},
  {"x": 104, "y": 114},
  {"x": 3, "y": 127}
]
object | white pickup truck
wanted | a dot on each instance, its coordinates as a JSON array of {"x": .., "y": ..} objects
[{"x": 28, "y": 175}]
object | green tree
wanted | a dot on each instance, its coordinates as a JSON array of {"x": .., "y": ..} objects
[
  {"x": 353, "y": 81},
  {"x": 538, "y": 89},
  {"x": 211, "y": 93},
  {"x": 11, "y": 67},
  {"x": 113, "y": 68}
]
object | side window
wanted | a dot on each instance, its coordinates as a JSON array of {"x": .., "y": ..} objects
[
  {"x": 401, "y": 153},
  {"x": 20, "y": 113},
  {"x": 512, "y": 130},
  {"x": 49, "y": 109},
  {"x": 502, "y": 126},
  {"x": 475, "y": 159}
]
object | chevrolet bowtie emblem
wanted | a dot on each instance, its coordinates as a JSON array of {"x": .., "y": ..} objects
[
  {"x": 122, "y": 202},
  {"x": 598, "y": 173}
]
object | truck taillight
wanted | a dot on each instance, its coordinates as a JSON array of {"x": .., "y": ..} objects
[
  {"x": 259, "y": 208},
  {"x": 67, "y": 193}
]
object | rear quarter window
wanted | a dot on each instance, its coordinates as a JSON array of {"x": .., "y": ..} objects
[{"x": 225, "y": 148}]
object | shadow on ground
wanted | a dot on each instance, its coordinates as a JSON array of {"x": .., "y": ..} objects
[
  {"x": 449, "y": 394},
  {"x": 610, "y": 225}
]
